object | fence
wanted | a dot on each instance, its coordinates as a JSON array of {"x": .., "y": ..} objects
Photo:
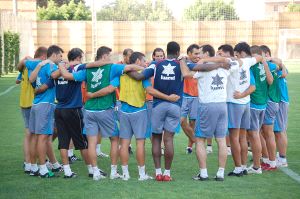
[
  {"x": 17, "y": 24},
  {"x": 282, "y": 34},
  {"x": 144, "y": 36}
]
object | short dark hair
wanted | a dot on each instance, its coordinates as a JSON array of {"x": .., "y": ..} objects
[
  {"x": 255, "y": 49},
  {"x": 135, "y": 56},
  {"x": 54, "y": 49},
  {"x": 74, "y": 53},
  {"x": 158, "y": 50},
  {"x": 242, "y": 47},
  {"x": 265, "y": 49},
  {"x": 173, "y": 48},
  {"x": 208, "y": 48},
  {"x": 227, "y": 48},
  {"x": 191, "y": 48},
  {"x": 126, "y": 51},
  {"x": 102, "y": 51},
  {"x": 40, "y": 51}
]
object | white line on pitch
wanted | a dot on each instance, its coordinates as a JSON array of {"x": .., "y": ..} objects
[
  {"x": 8, "y": 90},
  {"x": 291, "y": 173}
]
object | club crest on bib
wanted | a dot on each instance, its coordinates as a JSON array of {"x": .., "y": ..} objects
[
  {"x": 217, "y": 83},
  {"x": 262, "y": 72},
  {"x": 97, "y": 76},
  {"x": 168, "y": 70},
  {"x": 243, "y": 77}
]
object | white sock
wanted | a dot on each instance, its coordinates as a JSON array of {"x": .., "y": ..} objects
[
  {"x": 27, "y": 166},
  {"x": 90, "y": 169},
  {"x": 98, "y": 148},
  {"x": 67, "y": 170},
  {"x": 96, "y": 171},
  {"x": 125, "y": 169},
  {"x": 203, "y": 173},
  {"x": 265, "y": 160},
  {"x": 43, "y": 169},
  {"x": 220, "y": 172},
  {"x": 167, "y": 173},
  {"x": 244, "y": 167},
  {"x": 113, "y": 169},
  {"x": 142, "y": 170},
  {"x": 158, "y": 171},
  {"x": 237, "y": 170},
  {"x": 272, "y": 164},
  {"x": 34, "y": 167},
  {"x": 70, "y": 152},
  {"x": 56, "y": 165}
]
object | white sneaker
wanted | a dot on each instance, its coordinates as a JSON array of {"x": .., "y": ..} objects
[
  {"x": 250, "y": 170},
  {"x": 114, "y": 176},
  {"x": 228, "y": 151},
  {"x": 126, "y": 177},
  {"x": 49, "y": 165},
  {"x": 280, "y": 163},
  {"x": 101, "y": 154},
  {"x": 145, "y": 177},
  {"x": 209, "y": 149},
  {"x": 98, "y": 177}
]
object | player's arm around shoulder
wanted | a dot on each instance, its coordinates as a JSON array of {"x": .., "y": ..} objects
[{"x": 185, "y": 71}]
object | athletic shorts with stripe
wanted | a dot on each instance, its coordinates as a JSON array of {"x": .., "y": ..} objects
[
  {"x": 103, "y": 122},
  {"x": 165, "y": 116},
  {"x": 189, "y": 107},
  {"x": 212, "y": 120},
  {"x": 238, "y": 116},
  {"x": 281, "y": 121},
  {"x": 42, "y": 118},
  {"x": 69, "y": 123}
]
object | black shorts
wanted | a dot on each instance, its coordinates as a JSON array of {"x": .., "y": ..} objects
[{"x": 69, "y": 123}]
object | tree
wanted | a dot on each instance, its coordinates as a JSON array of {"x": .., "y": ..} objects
[
  {"x": 292, "y": 7},
  {"x": 210, "y": 10},
  {"x": 44, "y": 3},
  {"x": 124, "y": 10},
  {"x": 70, "y": 11}
]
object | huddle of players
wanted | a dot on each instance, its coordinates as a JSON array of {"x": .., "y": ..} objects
[{"x": 213, "y": 92}]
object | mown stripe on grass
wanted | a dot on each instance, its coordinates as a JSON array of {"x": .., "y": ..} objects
[
  {"x": 7, "y": 90},
  {"x": 291, "y": 173}
]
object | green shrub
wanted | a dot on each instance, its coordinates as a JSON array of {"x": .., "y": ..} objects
[{"x": 11, "y": 51}]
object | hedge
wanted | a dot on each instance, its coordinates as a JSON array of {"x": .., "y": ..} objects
[{"x": 11, "y": 51}]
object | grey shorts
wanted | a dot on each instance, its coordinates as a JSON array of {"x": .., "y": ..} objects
[
  {"x": 165, "y": 116},
  {"x": 118, "y": 109},
  {"x": 238, "y": 116},
  {"x": 212, "y": 120},
  {"x": 271, "y": 112},
  {"x": 280, "y": 124},
  {"x": 103, "y": 122},
  {"x": 189, "y": 107},
  {"x": 149, "y": 105},
  {"x": 42, "y": 118},
  {"x": 256, "y": 119},
  {"x": 134, "y": 124},
  {"x": 26, "y": 116}
]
